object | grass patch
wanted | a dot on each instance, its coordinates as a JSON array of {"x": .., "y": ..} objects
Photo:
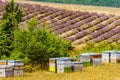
[{"x": 103, "y": 72}]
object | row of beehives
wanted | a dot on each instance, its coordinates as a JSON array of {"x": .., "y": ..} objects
[
  {"x": 11, "y": 68},
  {"x": 66, "y": 64}
]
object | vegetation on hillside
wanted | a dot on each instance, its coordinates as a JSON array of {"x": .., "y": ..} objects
[
  {"x": 37, "y": 46},
  {"x": 33, "y": 46},
  {"x": 100, "y": 47},
  {"x": 111, "y": 3},
  {"x": 9, "y": 23}
]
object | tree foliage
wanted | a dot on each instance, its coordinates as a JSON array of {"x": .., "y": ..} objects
[
  {"x": 39, "y": 45},
  {"x": 11, "y": 17}
]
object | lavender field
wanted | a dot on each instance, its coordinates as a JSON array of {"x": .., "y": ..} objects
[{"x": 76, "y": 26}]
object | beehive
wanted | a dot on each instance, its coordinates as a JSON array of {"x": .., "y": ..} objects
[
  {"x": 77, "y": 66},
  {"x": 85, "y": 58},
  {"x": 115, "y": 58},
  {"x": 96, "y": 59},
  {"x": 107, "y": 56},
  {"x": 52, "y": 64},
  {"x": 18, "y": 72},
  {"x": 6, "y": 70},
  {"x": 60, "y": 66},
  {"x": 18, "y": 66},
  {"x": 64, "y": 65}
]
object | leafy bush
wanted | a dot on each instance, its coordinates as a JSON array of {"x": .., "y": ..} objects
[{"x": 39, "y": 45}]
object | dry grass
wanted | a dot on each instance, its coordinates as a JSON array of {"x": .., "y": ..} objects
[
  {"x": 104, "y": 72},
  {"x": 98, "y": 9}
]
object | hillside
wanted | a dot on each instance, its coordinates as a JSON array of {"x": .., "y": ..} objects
[
  {"x": 111, "y": 3},
  {"x": 79, "y": 27},
  {"x": 98, "y": 9},
  {"x": 37, "y": 48}
]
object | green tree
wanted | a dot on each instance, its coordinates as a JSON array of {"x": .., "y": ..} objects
[
  {"x": 39, "y": 45},
  {"x": 11, "y": 17}
]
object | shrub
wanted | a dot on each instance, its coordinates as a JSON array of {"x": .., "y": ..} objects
[{"x": 39, "y": 45}]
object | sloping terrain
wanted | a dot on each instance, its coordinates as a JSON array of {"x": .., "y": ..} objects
[
  {"x": 112, "y": 3},
  {"x": 75, "y": 7},
  {"x": 76, "y": 26}
]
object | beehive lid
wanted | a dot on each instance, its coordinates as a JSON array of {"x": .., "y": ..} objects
[
  {"x": 118, "y": 52},
  {"x": 15, "y": 61},
  {"x": 3, "y": 60},
  {"x": 65, "y": 58},
  {"x": 85, "y": 54},
  {"x": 54, "y": 58},
  {"x": 77, "y": 62},
  {"x": 112, "y": 52},
  {"x": 94, "y": 54}
]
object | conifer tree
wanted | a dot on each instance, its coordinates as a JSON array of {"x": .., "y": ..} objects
[{"x": 11, "y": 17}]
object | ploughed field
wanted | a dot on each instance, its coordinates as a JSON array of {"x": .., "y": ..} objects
[{"x": 76, "y": 26}]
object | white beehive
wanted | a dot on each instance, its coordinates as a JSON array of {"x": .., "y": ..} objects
[
  {"x": 96, "y": 59},
  {"x": 115, "y": 58},
  {"x": 60, "y": 66},
  {"x": 77, "y": 66},
  {"x": 64, "y": 64},
  {"x": 107, "y": 56},
  {"x": 85, "y": 57},
  {"x": 18, "y": 66},
  {"x": 18, "y": 72},
  {"x": 6, "y": 70}
]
